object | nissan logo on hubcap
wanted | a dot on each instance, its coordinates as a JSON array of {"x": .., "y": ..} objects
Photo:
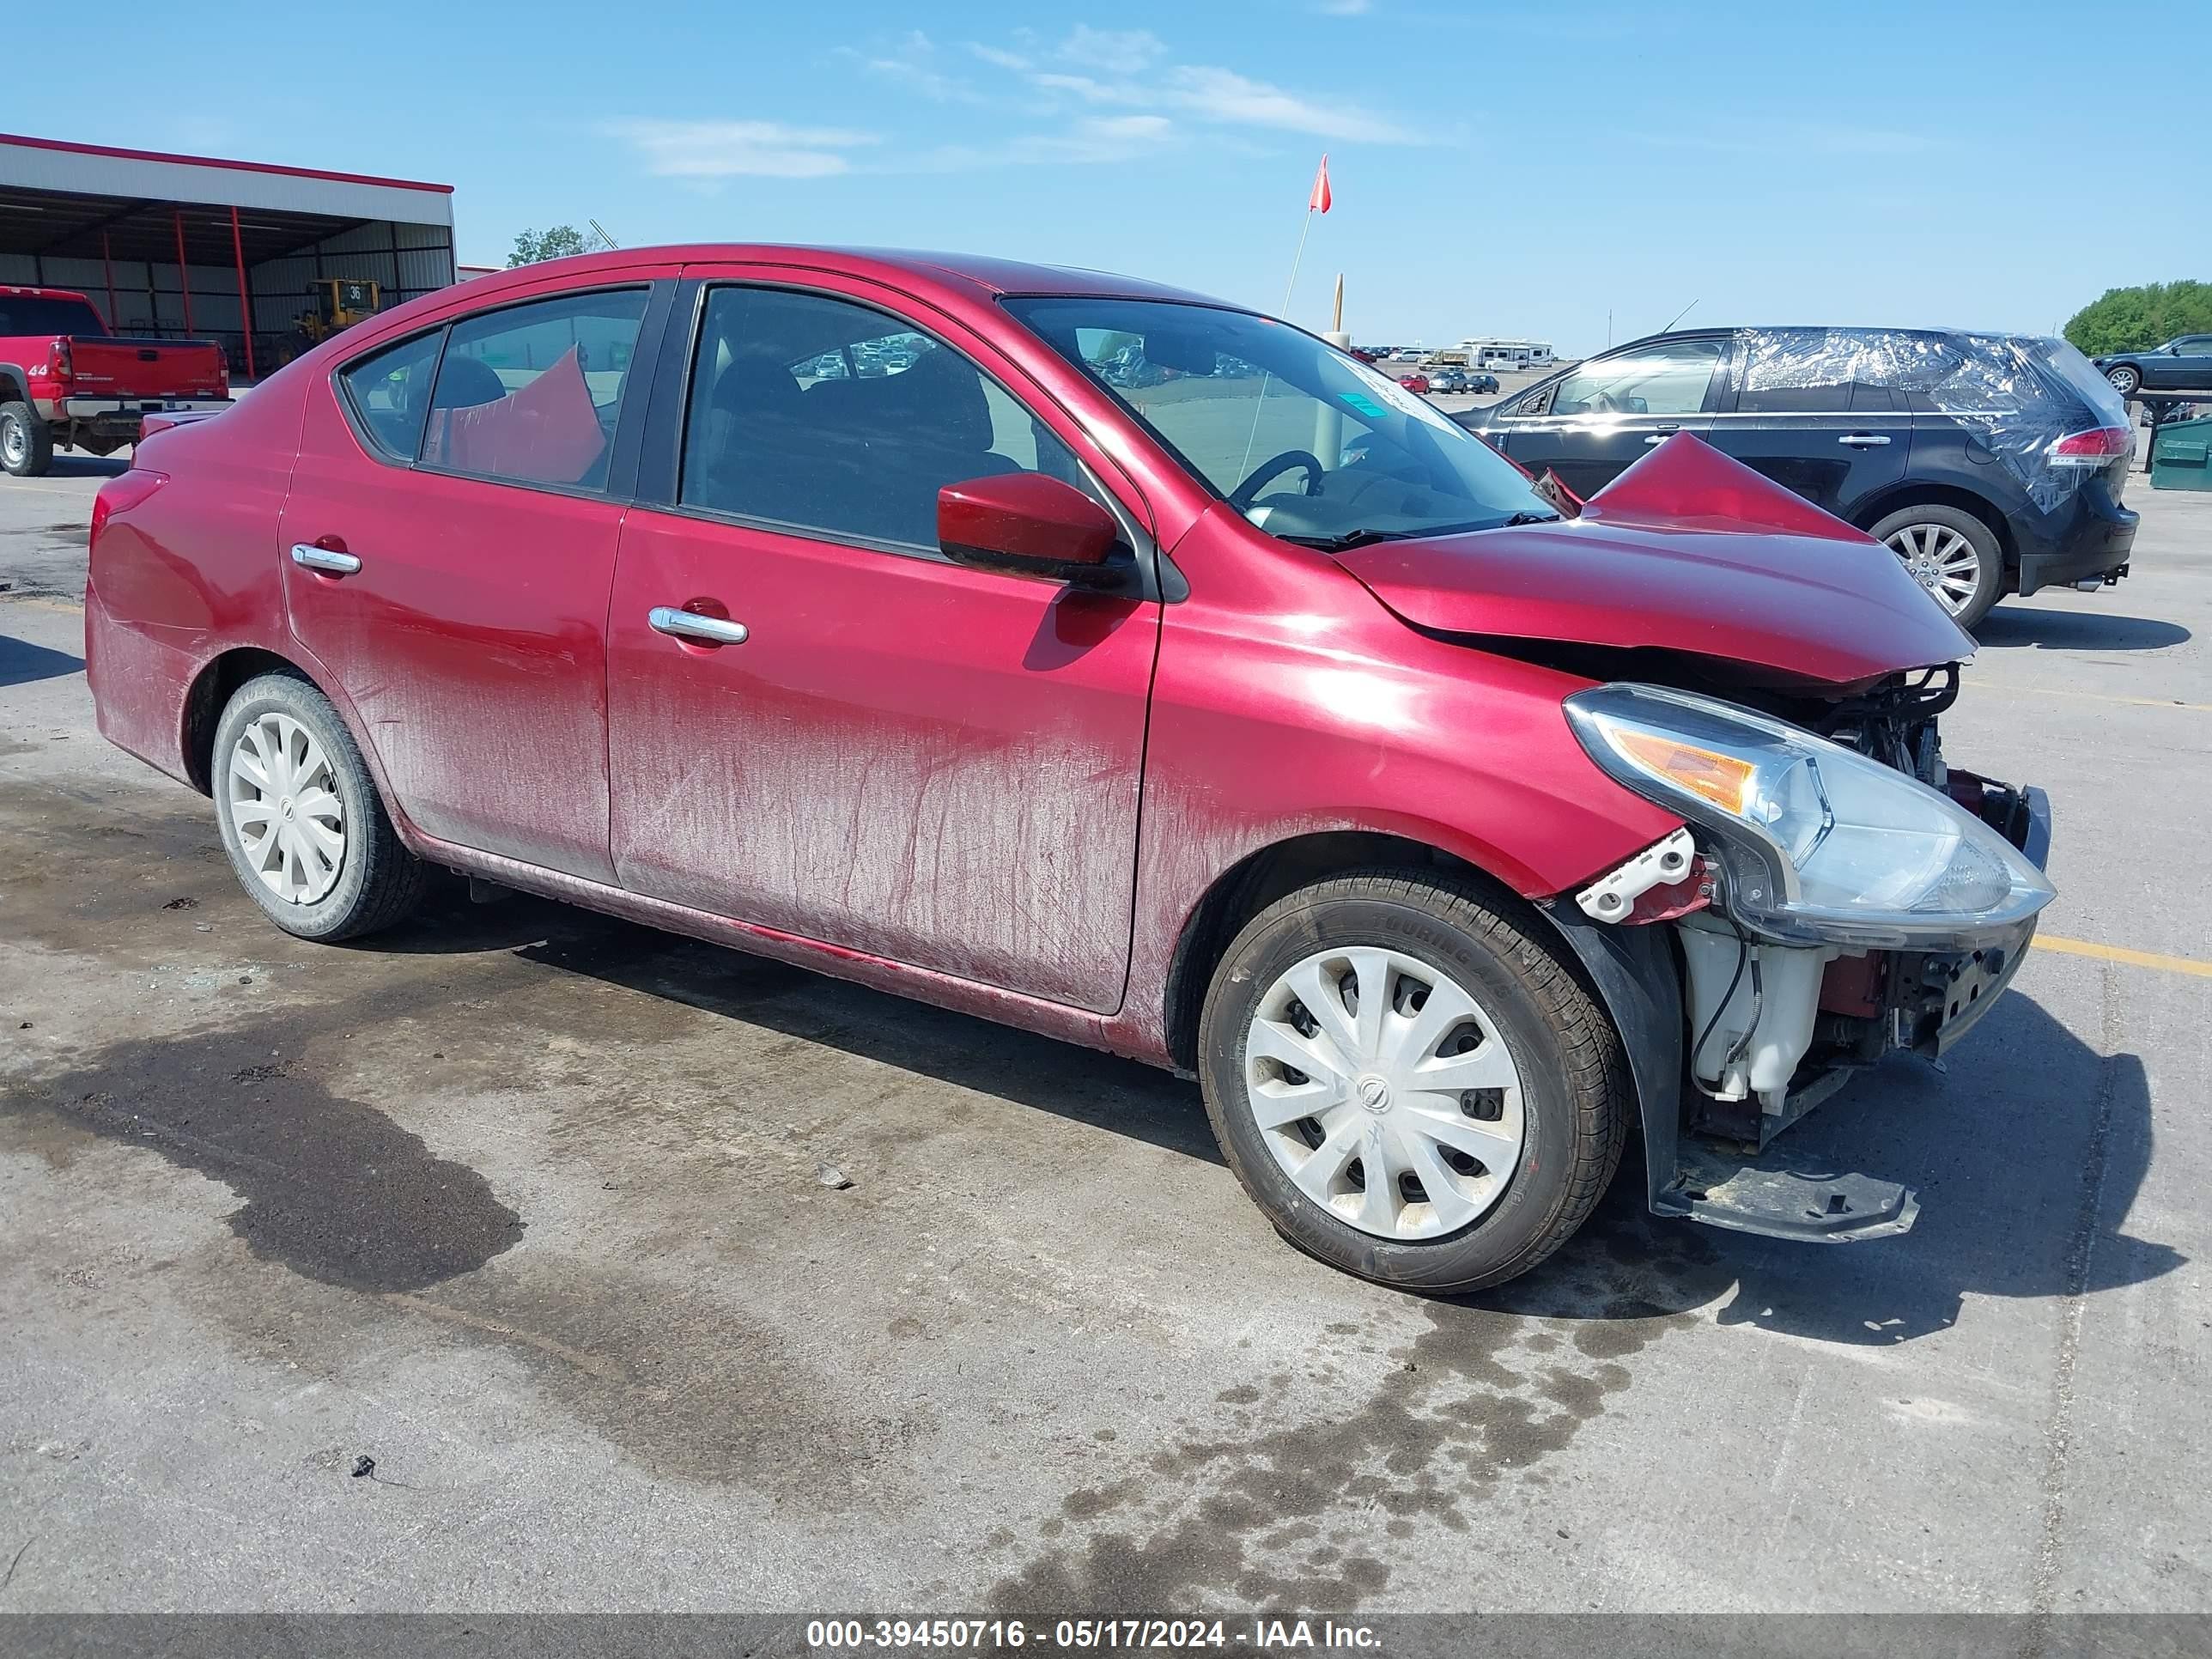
[{"x": 1374, "y": 1094}]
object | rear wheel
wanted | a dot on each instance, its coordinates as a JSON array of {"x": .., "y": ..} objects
[
  {"x": 1412, "y": 1086},
  {"x": 2126, "y": 380},
  {"x": 305, "y": 831},
  {"x": 27, "y": 443},
  {"x": 1951, "y": 553}
]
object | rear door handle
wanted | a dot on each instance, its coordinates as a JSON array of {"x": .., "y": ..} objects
[
  {"x": 324, "y": 559},
  {"x": 1862, "y": 439},
  {"x": 690, "y": 625}
]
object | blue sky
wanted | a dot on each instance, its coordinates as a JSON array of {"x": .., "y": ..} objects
[{"x": 1500, "y": 166}]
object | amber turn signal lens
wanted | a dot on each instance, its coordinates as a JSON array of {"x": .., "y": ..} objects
[{"x": 1723, "y": 780}]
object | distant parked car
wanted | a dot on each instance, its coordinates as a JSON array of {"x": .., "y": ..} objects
[
  {"x": 1483, "y": 382},
  {"x": 2183, "y": 364},
  {"x": 1414, "y": 382},
  {"x": 1446, "y": 379},
  {"x": 1990, "y": 463},
  {"x": 1407, "y": 355}
]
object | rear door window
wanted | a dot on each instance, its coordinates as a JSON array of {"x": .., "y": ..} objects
[
  {"x": 531, "y": 393},
  {"x": 390, "y": 393}
]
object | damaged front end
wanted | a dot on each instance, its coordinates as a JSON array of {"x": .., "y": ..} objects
[{"x": 1837, "y": 892}]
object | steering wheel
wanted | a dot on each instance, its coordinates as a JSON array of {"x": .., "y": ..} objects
[{"x": 1241, "y": 497}]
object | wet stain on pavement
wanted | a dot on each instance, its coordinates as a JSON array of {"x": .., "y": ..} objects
[
  {"x": 333, "y": 1190},
  {"x": 1291, "y": 1515}
]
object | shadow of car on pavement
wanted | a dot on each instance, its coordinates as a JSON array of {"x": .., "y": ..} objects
[{"x": 2025, "y": 1146}]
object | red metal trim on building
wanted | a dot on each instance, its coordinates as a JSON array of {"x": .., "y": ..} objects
[{"x": 217, "y": 161}]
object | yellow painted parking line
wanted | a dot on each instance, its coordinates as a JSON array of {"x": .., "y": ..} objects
[
  {"x": 2120, "y": 953},
  {"x": 2094, "y": 696}
]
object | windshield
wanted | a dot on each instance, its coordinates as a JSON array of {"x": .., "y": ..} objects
[{"x": 1308, "y": 442}]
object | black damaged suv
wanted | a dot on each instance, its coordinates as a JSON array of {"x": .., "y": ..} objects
[{"x": 1992, "y": 463}]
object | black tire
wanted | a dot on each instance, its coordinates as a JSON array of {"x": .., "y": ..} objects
[
  {"x": 379, "y": 881},
  {"x": 27, "y": 443},
  {"x": 1990, "y": 580},
  {"x": 2131, "y": 373},
  {"x": 1576, "y": 1099}
]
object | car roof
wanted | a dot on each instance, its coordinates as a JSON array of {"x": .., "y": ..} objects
[
  {"x": 1724, "y": 331},
  {"x": 978, "y": 273}
]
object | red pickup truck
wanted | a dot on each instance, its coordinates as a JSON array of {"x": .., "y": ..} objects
[{"x": 65, "y": 380}]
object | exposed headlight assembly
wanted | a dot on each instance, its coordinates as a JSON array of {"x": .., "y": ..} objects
[{"x": 1816, "y": 843}]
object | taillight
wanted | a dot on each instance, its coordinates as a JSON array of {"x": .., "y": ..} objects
[
  {"x": 222, "y": 371},
  {"x": 2100, "y": 445},
  {"x": 58, "y": 360},
  {"x": 121, "y": 493}
]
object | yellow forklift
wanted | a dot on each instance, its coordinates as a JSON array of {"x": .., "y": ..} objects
[{"x": 339, "y": 303}]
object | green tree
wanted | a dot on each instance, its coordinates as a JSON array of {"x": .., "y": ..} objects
[
  {"x": 558, "y": 243},
  {"x": 2131, "y": 318}
]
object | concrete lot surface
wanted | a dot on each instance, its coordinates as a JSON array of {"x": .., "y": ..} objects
[{"x": 524, "y": 1204}]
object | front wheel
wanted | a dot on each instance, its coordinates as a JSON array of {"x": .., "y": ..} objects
[
  {"x": 2126, "y": 381},
  {"x": 27, "y": 443},
  {"x": 1951, "y": 553},
  {"x": 305, "y": 831},
  {"x": 1410, "y": 1082}
]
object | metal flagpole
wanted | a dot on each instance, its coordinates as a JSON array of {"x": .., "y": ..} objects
[{"x": 1295, "y": 259}]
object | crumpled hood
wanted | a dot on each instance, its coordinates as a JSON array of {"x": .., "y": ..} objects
[{"x": 1687, "y": 552}]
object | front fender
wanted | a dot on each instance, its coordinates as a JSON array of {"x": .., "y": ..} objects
[{"x": 1633, "y": 971}]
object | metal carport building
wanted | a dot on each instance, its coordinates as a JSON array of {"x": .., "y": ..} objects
[{"x": 188, "y": 246}]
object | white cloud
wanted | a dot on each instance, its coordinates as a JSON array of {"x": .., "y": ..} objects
[
  {"x": 1089, "y": 95},
  {"x": 722, "y": 149},
  {"x": 1112, "y": 52},
  {"x": 1123, "y": 68},
  {"x": 1223, "y": 95}
]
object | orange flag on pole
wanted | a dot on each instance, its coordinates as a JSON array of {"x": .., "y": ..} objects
[{"x": 1319, "y": 201}]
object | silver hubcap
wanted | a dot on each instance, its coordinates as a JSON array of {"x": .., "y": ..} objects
[
  {"x": 2123, "y": 379},
  {"x": 1941, "y": 560},
  {"x": 1384, "y": 1092},
  {"x": 285, "y": 805},
  {"x": 15, "y": 442}
]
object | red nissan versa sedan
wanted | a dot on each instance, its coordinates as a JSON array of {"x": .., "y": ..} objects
[{"x": 1239, "y": 713}]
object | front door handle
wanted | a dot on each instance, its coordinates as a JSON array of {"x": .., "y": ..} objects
[
  {"x": 326, "y": 559},
  {"x": 1862, "y": 439},
  {"x": 690, "y": 625}
]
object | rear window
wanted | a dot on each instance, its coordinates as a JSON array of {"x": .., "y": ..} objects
[
  {"x": 24, "y": 313},
  {"x": 2064, "y": 363}
]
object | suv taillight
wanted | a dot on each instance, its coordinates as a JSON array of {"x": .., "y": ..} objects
[
  {"x": 121, "y": 493},
  {"x": 58, "y": 360},
  {"x": 2100, "y": 445},
  {"x": 222, "y": 371}
]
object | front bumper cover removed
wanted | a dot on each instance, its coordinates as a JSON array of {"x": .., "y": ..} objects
[{"x": 1784, "y": 1190}]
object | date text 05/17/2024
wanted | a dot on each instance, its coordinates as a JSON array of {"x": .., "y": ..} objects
[{"x": 980, "y": 1635}]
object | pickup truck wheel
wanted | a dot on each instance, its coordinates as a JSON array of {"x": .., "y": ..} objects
[
  {"x": 27, "y": 443},
  {"x": 1410, "y": 1082},
  {"x": 1951, "y": 553},
  {"x": 305, "y": 831}
]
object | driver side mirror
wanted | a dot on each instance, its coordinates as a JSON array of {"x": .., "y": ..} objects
[{"x": 1024, "y": 524}]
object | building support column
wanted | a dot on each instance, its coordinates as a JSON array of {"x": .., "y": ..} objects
[
  {"x": 184, "y": 271},
  {"x": 244, "y": 293}
]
